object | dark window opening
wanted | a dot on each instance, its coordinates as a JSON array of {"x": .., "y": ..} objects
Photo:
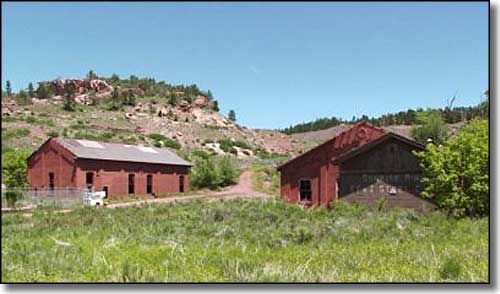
[
  {"x": 89, "y": 180},
  {"x": 51, "y": 181},
  {"x": 105, "y": 189},
  {"x": 131, "y": 183},
  {"x": 149, "y": 184},
  {"x": 181, "y": 184},
  {"x": 305, "y": 190}
]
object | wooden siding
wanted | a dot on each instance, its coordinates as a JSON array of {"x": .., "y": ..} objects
[{"x": 388, "y": 171}]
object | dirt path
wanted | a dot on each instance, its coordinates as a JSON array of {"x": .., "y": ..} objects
[{"x": 243, "y": 189}]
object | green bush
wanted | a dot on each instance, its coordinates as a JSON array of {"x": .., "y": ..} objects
[
  {"x": 456, "y": 173},
  {"x": 14, "y": 168},
  {"x": 12, "y": 197},
  {"x": 204, "y": 174},
  {"x": 157, "y": 137},
  {"x": 53, "y": 134},
  {"x": 227, "y": 171},
  {"x": 162, "y": 141},
  {"x": 226, "y": 145},
  {"x": 212, "y": 172}
]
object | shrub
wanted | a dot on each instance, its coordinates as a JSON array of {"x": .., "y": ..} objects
[
  {"x": 12, "y": 197},
  {"x": 210, "y": 172},
  {"x": 227, "y": 171},
  {"x": 162, "y": 141},
  {"x": 53, "y": 134},
  {"x": 226, "y": 145},
  {"x": 14, "y": 168},
  {"x": 456, "y": 174},
  {"x": 157, "y": 137},
  {"x": 31, "y": 120},
  {"x": 204, "y": 174}
]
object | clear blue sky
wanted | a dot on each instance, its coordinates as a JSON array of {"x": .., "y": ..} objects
[{"x": 273, "y": 63}]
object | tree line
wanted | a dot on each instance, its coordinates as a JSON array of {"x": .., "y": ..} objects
[{"x": 409, "y": 117}]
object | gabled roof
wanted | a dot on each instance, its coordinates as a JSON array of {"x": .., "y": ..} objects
[
  {"x": 332, "y": 140},
  {"x": 390, "y": 135},
  {"x": 120, "y": 152}
]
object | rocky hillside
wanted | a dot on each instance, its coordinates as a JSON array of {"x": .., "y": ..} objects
[{"x": 182, "y": 118}]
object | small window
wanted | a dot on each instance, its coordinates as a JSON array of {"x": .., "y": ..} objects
[
  {"x": 305, "y": 190},
  {"x": 149, "y": 184},
  {"x": 131, "y": 183}
]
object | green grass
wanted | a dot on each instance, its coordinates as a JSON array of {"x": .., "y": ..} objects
[{"x": 242, "y": 241}]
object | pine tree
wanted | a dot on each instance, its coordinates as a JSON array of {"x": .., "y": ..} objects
[
  {"x": 8, "y": 88},
  {"x": 91, "y": 75},
  {"x": 216, "y": 106},
  {"x": 31, "y": 90},
  {"x": 232, "y": 115}
]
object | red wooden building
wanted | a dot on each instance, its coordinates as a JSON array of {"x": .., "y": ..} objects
[
  {"x": 362, "y": 164},
  {"x": 119, "y": 169}
]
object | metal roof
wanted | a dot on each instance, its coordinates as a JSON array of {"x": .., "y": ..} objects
[{"x": 121, "y": 152}]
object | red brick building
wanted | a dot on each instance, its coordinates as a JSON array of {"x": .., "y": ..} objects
[
  {"x": 362, "y": 164},
  {"x": 119, "y": 169}
]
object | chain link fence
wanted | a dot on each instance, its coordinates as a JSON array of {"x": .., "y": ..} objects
[{"x": 31, "y": 198}]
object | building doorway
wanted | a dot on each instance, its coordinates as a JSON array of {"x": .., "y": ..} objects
[
  {"x": 181, "y": 184},
  {"x": 131, "y": 184},
  {"x": 89, "y": 180},
  {"x": 149, "y": 184},
  {"x": 51, "y": 181}
]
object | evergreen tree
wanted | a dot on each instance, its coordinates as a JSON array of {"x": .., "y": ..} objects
[
  {"x": 44, "y": 91},
  {"x": 91, "y": 75},
  {"x": 210, "y": 96},
  {"x": 8, "y": 88},
  {"x": 232, "y": 115},
  {"x": 69, "y": 100},
  {"x": 31, "y": 90},
  {"x": 216, "y": 106}
]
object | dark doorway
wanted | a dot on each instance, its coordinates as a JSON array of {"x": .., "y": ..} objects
[
  {"x": 131, "y": 183},
  {"x": 181, "y": 184},
  {"x": 105, "y": 189},
  {"x": 149, "y": 184},
  {"x": 90, "y": 180},
  {"x": 51, "y": 181}
]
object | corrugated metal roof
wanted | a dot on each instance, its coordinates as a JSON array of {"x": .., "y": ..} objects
[{"x": 121, "y": 152}]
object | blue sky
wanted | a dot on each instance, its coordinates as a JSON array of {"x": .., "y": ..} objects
[{"x": 275, "y": 64}]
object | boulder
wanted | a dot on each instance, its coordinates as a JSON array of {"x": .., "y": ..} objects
[
  {"x": 184, "y": 105},
  {"x": 129, "y": 115},
  {"x": 201, "y": 101}
]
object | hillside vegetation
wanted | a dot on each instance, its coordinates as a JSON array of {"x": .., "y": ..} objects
[{"x": 243, "y": 241}]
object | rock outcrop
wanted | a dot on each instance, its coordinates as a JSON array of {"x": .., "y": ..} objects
[{"x": 80, "y": 86}]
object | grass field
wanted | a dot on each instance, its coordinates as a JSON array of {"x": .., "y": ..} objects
[{"x": 242, "y": 241}]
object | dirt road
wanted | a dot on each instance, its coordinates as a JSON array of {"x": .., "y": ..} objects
[{"x": 243, "y": 189}]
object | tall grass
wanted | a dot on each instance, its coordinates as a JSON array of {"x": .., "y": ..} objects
[{"x": 242, "y": 241}]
